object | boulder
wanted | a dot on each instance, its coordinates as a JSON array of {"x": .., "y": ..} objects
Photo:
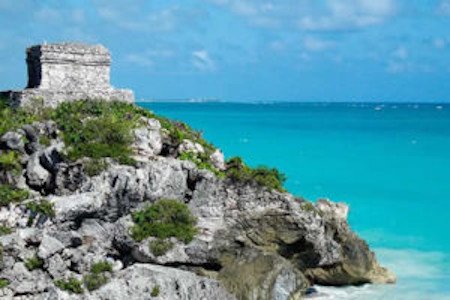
[
  {"x": 138, "y": 282},
  {"x": 49, "y": 246},
  {"x": 218, "y": 160},
  {"x": 12, "y": 141},
  {"x": 148, "y": 139},
  {"x": 37, "y": 176},
  {"x": 191, "y": 147}
]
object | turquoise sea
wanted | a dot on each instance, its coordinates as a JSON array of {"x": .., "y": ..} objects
[{"x": 390, "y": 163}]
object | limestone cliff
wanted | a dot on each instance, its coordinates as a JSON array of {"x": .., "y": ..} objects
[{"x": 69, "y": 215}]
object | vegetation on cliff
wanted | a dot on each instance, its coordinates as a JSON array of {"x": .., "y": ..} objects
[
  {"x": 100, "y": 129},
  {"x": 164, "y": 219}
]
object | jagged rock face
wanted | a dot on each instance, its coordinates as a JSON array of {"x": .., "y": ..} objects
[{"x": 252, "y": 243}]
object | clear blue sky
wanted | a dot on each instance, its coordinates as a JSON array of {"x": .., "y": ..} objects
[{"x": 248, "y": 50}]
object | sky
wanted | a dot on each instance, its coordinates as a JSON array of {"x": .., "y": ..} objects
[{"x": 247, "y": 50}]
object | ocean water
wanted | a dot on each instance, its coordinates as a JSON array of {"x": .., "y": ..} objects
[{"x": 390, "y": 163}]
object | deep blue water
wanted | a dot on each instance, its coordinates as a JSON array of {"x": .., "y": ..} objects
[{"x": 390, "y": 163}]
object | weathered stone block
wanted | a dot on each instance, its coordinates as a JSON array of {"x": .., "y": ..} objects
[{"x": 67, "y": 72}]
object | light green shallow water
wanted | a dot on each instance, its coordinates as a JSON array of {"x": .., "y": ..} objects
[{"x": 390, "y": 163}]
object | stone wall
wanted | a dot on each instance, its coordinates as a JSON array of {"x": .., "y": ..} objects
[{"x": 67, "y": 72}]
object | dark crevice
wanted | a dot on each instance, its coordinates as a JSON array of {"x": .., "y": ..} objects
[
  {"x": 302, "y": 251},
  {"x": 210, "y": 266}
]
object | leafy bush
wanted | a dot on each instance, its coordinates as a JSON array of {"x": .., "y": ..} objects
[
  {"x": 95, "y": 166},
  {"x": 97, "y": 277},
  {"x": 10, "y": 161},
  {"x": 44, "y": 140},
  {"x": 72, "y": 285},
  {"x": 94, "y": 281},
  {"x": 12, "y": 118},
  {"x": 238, "y": 171},
  {"x": 43, "y": 207},
  {"x": 100, "y": 267},
  {"x": 10, "y": 194},
  {"x": 164, "y": 219},
  {"x": 160, "y": 247},
  {"x": 155, "y": 291},
  {"x": 202, "y": 161},
  {"x": 34, "y": 263},
  {"x": 3, "y": 283},
  {"x": 98, "y": 129},
  {"x": 307, "y": 206},
  {"x": 4, "y": 230}
]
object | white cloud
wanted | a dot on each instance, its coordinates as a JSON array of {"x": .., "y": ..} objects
[
  {"x": 439, "y": 43},
  {"x": 139, "y": 17},
  {"x": 400, "y": 53},
  {"x": 139, "y": 59},
  {"x": 48, "y": 15},
  {"x": 149, "y": 58},
  {"x": 78, "y": 15},
  {"x": 202, "y": 61},
  {"x": 312, "y": 15},
  {"x": 349, "y": 14},
  {"x": 316, "y": 44},
  {"x": 444, "y": 8}
]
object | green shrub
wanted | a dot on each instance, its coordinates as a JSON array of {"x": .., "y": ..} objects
[
  {"x": 307, "y": 206},
  {"x": 4, "y": 230},
  {"x": 45, "y": 141},
  {"x": 155, "y": 291},
  {"x": 160, "y": 247},
  {"x": 94, "y": 281},
  {"x": 202, "y": 161},
  {"x": 100, "y": 267},
  {"x": 43, "y": 207},
  {"x": 238, "y": 171},
  {"x": 72, "y": 285},
  {"x": 10, "y": 194},
  {"x": 34, "y": 263},
  {"x": 95, "y": 167},
  {"x": 97, "y": 277},
  {"x": 10, "y": 161},
  {"x": 98, "y": 129},
  {"x": 12, "y": 118},
  {"x": 3, "y": 283},
  {"x": 164, "y": 219}
]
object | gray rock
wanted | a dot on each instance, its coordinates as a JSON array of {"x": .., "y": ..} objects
[
  {"x": 49, "y": 246},
  {"x": 69, "y": 208},
  {"x": 24, "y": 282},
  {"x": 190, "y": 146},
  {"x": 56, "y": 266},
  {"x": 37, "y": 176},
  {"x": 148, "y": 139},
  {"x": 12, "y": 141},
  {"x": 137, "y": 282},
  {"x": 218, "y": 159}
]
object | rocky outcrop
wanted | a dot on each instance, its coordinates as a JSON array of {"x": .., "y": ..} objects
[{"x": 251, "y": 242}]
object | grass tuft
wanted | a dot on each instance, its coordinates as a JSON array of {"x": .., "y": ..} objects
[
  {"x": 271, "y": 178},
  {"x": 34, "y": 263},
  {"x": 160, "y": 247},
  {"x": 156, "y": 290},
  {"x": 10, "y": 194},
  {"x": 72, "y": 285}
]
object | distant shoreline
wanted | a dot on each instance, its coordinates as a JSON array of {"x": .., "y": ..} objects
[{"x": 350, "y": 103}]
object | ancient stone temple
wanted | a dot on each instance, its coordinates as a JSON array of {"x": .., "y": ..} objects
[{"x": 66, "y": 72}]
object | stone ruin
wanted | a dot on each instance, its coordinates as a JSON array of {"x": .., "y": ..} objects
[{"x": 67, "y": 72}]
